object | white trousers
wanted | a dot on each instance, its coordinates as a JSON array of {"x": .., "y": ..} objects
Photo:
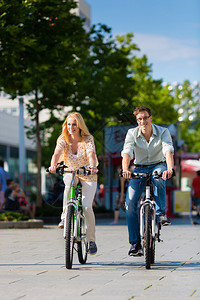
[{"x": 88, "y": 193}]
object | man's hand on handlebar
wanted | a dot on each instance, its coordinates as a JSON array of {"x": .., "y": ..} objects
[
  {"x": 126, "y": 174},
  {"x": 168, "y": 174},
  {"x": 165, "y": 175}
]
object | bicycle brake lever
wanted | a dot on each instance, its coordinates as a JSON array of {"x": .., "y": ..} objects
[{"x": 60, "y": 169}]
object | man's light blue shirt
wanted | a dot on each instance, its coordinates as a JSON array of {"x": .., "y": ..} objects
[{"x": 151, "y": 152}]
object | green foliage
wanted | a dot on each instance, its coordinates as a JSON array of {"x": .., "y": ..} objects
[
  {"x": 39, "y": 43},
  {"x": 12, "y": 216},
  {"x": 152, "y": 94},
  {"x": 117, "y": 81},
  {"x": 188, "y": 115},
  {"x": 106, "y": 79},
  {"x": 191, "y": 137},
  {"x": 45, "y": 50},
  {"x": 111, "y": 82},
  {"x": 52, "y": 132}
]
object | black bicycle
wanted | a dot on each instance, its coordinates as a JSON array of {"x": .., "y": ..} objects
[{"x": 150, "y": 226}]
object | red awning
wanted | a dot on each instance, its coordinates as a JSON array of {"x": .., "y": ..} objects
[{"x": 190, "y": 166}]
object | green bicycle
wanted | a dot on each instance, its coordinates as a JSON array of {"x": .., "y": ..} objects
[{"x": 74, "y": 222}]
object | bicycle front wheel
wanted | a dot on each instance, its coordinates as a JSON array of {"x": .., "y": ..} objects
[
  {"x": 148, "y": 237},
  {"x": 69, "y": 243},
  {"x": 82, "y": 244},
  {"x": 153, "y": 250}
]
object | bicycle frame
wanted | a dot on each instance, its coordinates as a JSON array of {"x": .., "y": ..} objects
[
  {"x": 76, "y": 203},
  {"x": 148, "y": 200},
  {"x": 148, "y": 223}
]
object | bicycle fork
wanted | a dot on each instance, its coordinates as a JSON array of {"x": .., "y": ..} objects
[
  {"x": 151, "y": 202},
  {"x": 76, "y": 204},
  {"x": 73, "y": 203}
]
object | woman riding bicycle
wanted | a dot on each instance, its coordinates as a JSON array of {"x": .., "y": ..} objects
[
  {"x": 153, "y": 150},
  {"x": 76, "y": 147}
]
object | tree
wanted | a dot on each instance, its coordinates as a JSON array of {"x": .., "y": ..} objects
[
  {"x": 103, "y": 82},
  {"x": 41, "y": 42},
  {"x": 112, "y": 81},
  {"x": 152, "y": 93},
  {"x": 187, "y": 104}
]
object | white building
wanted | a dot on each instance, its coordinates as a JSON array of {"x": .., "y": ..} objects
[{"x": 83, "y": 11}]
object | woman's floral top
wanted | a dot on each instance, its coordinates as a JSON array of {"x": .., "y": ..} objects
[{"x": 81, "y": 159}]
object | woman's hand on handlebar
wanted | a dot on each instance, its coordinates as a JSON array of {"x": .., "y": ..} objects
[
  {"x": 93, "y": 170},
  {"x": 52, "y": 169}
]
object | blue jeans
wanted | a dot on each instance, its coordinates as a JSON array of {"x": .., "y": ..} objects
[{"x": 134, "y": 192}]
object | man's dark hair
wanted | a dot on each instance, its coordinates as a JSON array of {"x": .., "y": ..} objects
[
  {"x": 1, "y": 163},
  {"x": 198, "y": 173},
  {"x": 139, "y": 109}
]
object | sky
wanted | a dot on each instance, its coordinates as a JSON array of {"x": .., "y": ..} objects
[{"x": 167, "y": 31}]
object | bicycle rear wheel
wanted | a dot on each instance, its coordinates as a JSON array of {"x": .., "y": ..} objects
[
  {"x": 82, "y": 245},
  {"x": 148, "y": 236},
  {"x": 69, "y": 243}
]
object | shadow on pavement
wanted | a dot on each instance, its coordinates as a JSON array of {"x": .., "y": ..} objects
[{"x": 163, "y": 265}]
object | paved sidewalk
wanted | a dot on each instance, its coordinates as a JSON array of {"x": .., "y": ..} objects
[{"x": 32, "y": 265}]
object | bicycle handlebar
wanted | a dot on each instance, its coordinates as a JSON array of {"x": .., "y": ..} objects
[
  {"x": 61, "y": 170},
  {"x": 145, "y": 175}
]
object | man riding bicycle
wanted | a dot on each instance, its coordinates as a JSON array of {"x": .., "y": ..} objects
[{"x": 153, "y": 150}]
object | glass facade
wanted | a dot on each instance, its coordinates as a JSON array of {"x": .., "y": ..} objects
[{"x": 10, "y": 155}]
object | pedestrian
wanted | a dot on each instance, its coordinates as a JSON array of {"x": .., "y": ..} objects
[
  {"x": 4, "y": 175},
  {"x": 196, "y": 192},
  {"x": 101, "y": 194},
  {"x": 153, "y": 150},
  {"x": 120, "y": 198},
  {"x": 76, "y": 146}
]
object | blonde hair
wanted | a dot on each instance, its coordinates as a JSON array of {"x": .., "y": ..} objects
[{"x": 80, "y": 124}]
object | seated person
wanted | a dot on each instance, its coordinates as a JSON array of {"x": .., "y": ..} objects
[
  {"x": 23, "y": 204},
  {"x": 10, "y": 202}
]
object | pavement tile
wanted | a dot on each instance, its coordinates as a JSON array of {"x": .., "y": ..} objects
[{"x": 32, "y": 265}]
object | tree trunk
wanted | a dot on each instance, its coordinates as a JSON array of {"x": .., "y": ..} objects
[{"x": 39, "y": 152}]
